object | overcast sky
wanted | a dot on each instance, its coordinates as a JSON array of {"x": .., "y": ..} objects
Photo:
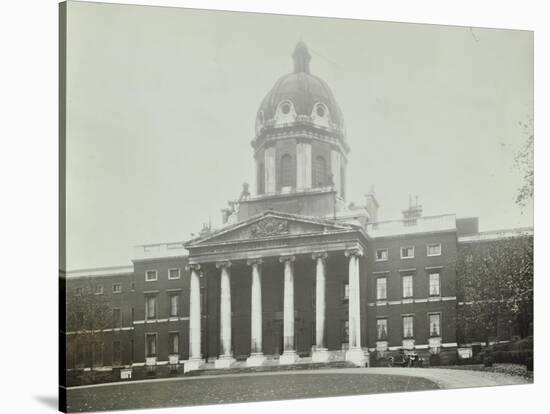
[{"x": 162, "y": 104}]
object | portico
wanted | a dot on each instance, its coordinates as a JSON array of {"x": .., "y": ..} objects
[{"x": 282, "y": 261}]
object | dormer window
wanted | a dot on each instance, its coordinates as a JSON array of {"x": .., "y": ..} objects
[
  {"x": 319, "y": 115},
  {"x": 285, "y": 108},
  {"x": 286, "y": 113},
  {"x": 321, "y": 111}
]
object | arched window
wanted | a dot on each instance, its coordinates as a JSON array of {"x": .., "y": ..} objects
[
  {"x": 261, "y": 178},
  {"x": 287, "y": 171},
  {"x": 320, "y": 172}
]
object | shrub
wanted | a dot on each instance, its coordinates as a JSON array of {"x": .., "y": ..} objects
[
  {"x": 488, "y": 361},
  {"x": 514, "y": 357}
]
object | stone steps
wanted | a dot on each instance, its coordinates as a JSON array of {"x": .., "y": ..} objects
[{"x": 269, "y": 366}]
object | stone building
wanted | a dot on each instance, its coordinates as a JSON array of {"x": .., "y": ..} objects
[{"x": 296, "y": 271}]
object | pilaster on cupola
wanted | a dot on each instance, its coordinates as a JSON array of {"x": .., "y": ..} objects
[{"x": 195, "y": 360}]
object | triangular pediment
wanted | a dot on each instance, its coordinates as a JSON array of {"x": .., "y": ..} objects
[{"x": 270, "y": 225}]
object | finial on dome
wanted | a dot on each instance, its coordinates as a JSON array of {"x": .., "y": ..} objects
[{"x": 301, "y": 58}]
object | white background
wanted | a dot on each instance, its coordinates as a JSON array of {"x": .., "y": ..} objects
[{"x": 28, "y": 212}]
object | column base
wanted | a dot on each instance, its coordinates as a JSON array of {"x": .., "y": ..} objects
[
  {"x": 320, "y": 355},
  {"x": 255, "y": 360},
  {"x": 193, "y": 364},
  {"x": 289, "y": 358},
  {"x": 357, "y": 356},
  {"x": 224, "y": 361}
]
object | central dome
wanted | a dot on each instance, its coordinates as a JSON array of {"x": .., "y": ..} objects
[{"x": 300, "y": 96}]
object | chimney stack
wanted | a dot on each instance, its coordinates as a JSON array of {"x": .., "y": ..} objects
[
  {"x": 372, "y": 205},
  {"x": 414, "y": 211}
]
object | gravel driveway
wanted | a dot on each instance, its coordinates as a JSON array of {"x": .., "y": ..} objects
[{"x": 453, "y": 378}]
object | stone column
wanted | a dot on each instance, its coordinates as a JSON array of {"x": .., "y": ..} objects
[
  {"x": 256, "y": 357},
  {"x": 289, "y": 355},
  {"x": 195, "y": 360},
  {"x": 355, "y": 353},
  {"x": 226, "y": 357},
  {"x": 321, "y": 353}
]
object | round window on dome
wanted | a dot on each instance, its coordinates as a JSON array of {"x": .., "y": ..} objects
[
  {"x": 320, "y": 110},
  {"x": 285, "y": 108}
]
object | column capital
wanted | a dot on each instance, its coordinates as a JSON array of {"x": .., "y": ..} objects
[
  {"x": 194, "y": 266},
  {"x": 286, "y": 258},
  {"x": 254, "y": 261},
  {"x": 319, "y": 255},
  {"x": 222, "y": 264},
  {"x": 354, "y": 251}
]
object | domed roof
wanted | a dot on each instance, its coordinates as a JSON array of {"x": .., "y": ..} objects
[{"x": 304, "y": 91}]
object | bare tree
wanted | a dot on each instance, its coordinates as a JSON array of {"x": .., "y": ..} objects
[
  {"x": 88, "y": 315},
  {"x": 495, "y": 279}
]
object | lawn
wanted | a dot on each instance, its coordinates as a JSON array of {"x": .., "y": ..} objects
[{"x": 246, "y": 388}]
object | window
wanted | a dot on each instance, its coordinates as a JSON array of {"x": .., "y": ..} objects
[
  {"x": 174, "y": 342},
  {"x": 173, "y": 273},
  {"x": 434, "y": 284},
  {"x": 345, "y": 293},
  {"x": 78, "y": 291},
  {"x": 287, "y": 171},
  {"x": 151, "y": 275},
  {"x": 117, "y": 288},
  {"x": 79, "y": 355},
  {"x": 381, "y": 255},
  {"x": 435, "y": 324},
  {"x": 407, "y": 252},
  {"x": 117, "y": 319},
  {"x": 174, "y": 305},
  {"x": 151, "y": 345},
  {"x": 79, "y": 319},
  {"x": 381, "y": 288},
  {"x": 98, "y": 354},
  {"x": 345, "y": 331},
  {"x": 98, "y": 289},
  {"x": 434, "y": 249},
  {"x": 150, "y": 307},
  {"x": 117, "y": 354},
  {"x": 408, "y": 322},
  {"x": 319, "y": 172},
  {"x": 408, "y": 286},
  {"x": 382, "y": 329}
]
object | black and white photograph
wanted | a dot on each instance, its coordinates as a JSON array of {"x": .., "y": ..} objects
[
  {"x": 340, "y": 207},
  {"x": 271, "y": 206}
]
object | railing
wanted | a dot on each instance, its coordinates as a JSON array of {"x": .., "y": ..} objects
[
  {"x": 496, "y": 235},
  {"x": 408, "y": 226},
  {"x": 149, "y": 251}
]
